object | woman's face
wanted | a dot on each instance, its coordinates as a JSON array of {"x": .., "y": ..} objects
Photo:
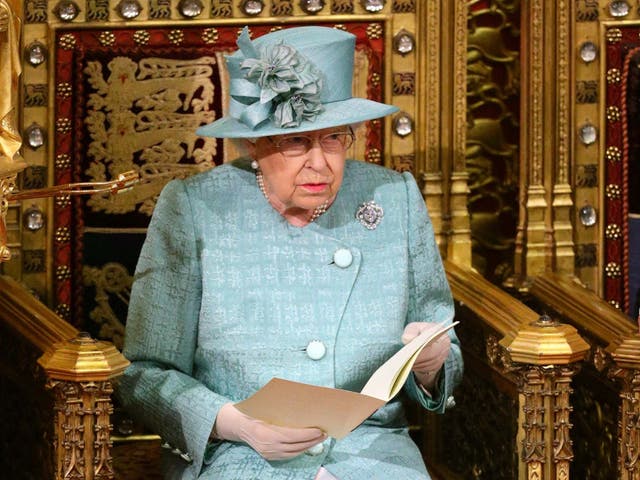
[{"x": 298, "y": 180}]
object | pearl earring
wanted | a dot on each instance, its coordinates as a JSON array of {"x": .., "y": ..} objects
[{"x": 254, "y": 164}]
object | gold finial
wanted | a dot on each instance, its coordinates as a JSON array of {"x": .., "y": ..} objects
[
  {"x": 546, "y": 342},
  {"x": 82, "y": 359}
]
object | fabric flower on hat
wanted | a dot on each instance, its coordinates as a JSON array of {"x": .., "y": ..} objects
[
  {"x": 302, "y": 105},
  {"x": 274, "y": 72},
  {"x": 289, "y": 84}
]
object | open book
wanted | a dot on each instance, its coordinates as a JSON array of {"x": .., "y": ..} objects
[{"x": 335, "y": 411}]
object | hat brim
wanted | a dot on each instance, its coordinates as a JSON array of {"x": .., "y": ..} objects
[{"x": 335, "y": 114}]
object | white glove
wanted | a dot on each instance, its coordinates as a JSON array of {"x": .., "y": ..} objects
[
  {"x": 432, "y": 357},
  {"x": 270, "y": 441}
]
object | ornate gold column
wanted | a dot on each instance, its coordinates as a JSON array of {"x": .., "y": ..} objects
[
  {"x": 627, "y": 372},
  {"x": 562, "y": 202},
  {"x": 10, "y": 162},
  {"x": 544, "y": 356},
  {"x": 8, "y": 173},
  {"x": 441, "y": 115},
  {"x": 80, "y": 372},
  {"x": 545, "y": 234}
]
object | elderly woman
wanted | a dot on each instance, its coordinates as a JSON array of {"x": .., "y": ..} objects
[{"x": 291, "y": 263}]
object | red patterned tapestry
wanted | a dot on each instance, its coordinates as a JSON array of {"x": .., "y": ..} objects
[{"x": 621, "y": 162}]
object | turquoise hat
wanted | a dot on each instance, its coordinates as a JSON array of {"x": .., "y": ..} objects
[{"x": 292, "y": 80}]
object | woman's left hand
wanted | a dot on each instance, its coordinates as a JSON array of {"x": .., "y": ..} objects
[{"x": 432, "y": 357}]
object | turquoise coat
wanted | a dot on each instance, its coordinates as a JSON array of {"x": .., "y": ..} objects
[{"x": 227, "y": 295}]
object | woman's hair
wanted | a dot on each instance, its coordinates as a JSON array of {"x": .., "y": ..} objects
[{"x": 240, "y": 145}]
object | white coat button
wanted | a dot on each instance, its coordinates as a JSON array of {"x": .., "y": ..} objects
[
  {"x": 451, "y": 402},
  {"x": 342, "y": 258},
  {"x": 316, "y": 350},
  {"x": 316, "y": 450}
]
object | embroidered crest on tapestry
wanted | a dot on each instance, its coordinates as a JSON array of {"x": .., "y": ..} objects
[{"x": 142, "y": 115}]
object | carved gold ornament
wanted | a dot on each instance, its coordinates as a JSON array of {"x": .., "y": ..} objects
[
  {"x": 403, "y": 163},
  {"x": 63, "y": 125},
  {"x": 62, "y": 161},
  {"x": 374, "y": 30},
  {"x": 613, "y": 231},
  {"x": 613, "y": 191},
  {"x": 176, "y": 37},
  {"x": 404, "y": 83},
  {"x": 63, "y": 310},
  {"x": 62, "y": 235},
  {"x": 600, "y": 358},
  {"x": 160, "y": 9},
  {"x": 63, "y": 272},
  {"x": 63, "y": 89},
  {"x": 613, "y": 35},
  {"x": 7, "y": 185},
  {"x": 79, "y": 375},
  {"x": 613, "y": 113},
  {"x": 63, "y": 200},
  {"x": 141, "y": 37},
  {"x": 107, "y": 39},
  {"x": 404, "y": 6},
  {"x": 210, "y": 36},
  {"x": 613, "y": 76},
  {"x": 613, "y": 270},
  {"x": 221, "y": 8},
  {"x": 67, "y": 41},
  {"x": 374, "y": 156},
  {"x": 613, "y": 154}
]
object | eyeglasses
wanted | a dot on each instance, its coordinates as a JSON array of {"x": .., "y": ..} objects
[{"x": 298, "y": 145}]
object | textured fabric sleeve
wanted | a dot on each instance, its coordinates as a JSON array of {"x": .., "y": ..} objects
[
  {"x": 430, "y": 298},
  {"x": 161, "y": 334}
]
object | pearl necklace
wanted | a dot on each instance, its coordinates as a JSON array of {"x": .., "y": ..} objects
[{"x": 319, "y": 210}]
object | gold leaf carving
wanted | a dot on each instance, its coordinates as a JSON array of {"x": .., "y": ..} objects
[
  {"x": 404, "y": 6},
  {"x": 160, "y": 9},
  {"x": 281, "y": 8},
  {"x": 342, "y": 6},
  {"x": 221, "y": 8},
  {"x": 35, "y": 11}
]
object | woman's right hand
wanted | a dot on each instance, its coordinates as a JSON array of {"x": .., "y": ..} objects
[{"x": 270, "y": 441}]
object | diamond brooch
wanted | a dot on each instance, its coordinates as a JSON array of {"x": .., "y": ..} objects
[{"x": 369, "y": 214}]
